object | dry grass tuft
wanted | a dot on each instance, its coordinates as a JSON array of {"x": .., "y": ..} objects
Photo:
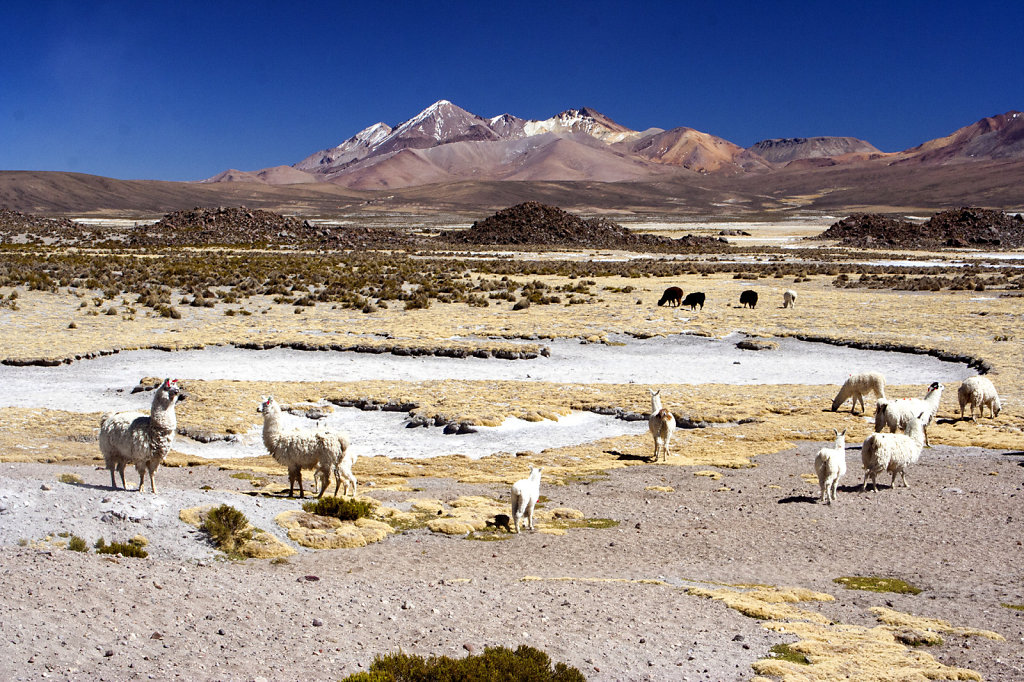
[{"x": 905, "y": 620}]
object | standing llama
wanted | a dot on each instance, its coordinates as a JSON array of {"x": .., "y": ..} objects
[
  {"x": 830, "y": 465},
  {"x": 662, "y": 424},
  {"x": 524, "y": 496},
  {"x": 896, "y": 413},
  {"x": 298, "y": 449},
  {"x": 143, "y": 440},
  {"x": 892, "y": 452}
]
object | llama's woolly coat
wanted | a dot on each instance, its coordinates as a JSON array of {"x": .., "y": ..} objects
[
  {"x": 892, "y": 452},
  {"x": 661, "y": 424},
  {"x": 979, "y": 392},
  {"x": 525, "y": 493},
  {"x": 830, "y": 466},
  {"x": 788, "y": 298},
  {"x": 857, "y": 386},
  {"x": 298, "y": 449},
  {"x": 141, "y": 439},
  {"x": 896, "y": 413}
]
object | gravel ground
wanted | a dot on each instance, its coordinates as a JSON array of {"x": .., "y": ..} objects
[{"x": 185, "y": 612}]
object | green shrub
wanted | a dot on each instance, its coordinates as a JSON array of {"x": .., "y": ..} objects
[
  {"x": 339, "y": 507},
  {"x": 496, "y": 663},
  {"x": 873, "y": 584},
  {"x": 227, "y": 527},
  {"x": 122, "y": 548},
  {"x": 77, "y": 544},
  {"x": 70, "y": 479}
]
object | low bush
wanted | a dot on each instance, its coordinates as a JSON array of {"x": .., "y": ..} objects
[
  {"x": 77, "y": 544},
  {"x": 496, "y": 663},
  {"x": 125, "y": 549},
  {"x": 339, "y": 507},
  {"x": 226, "y": 526}
]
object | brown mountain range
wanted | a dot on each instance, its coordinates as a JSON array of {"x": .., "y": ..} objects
[{"x": 579, "y": 160}]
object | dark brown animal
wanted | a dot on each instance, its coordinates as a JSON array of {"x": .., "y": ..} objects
[
  {"x": 694, "y": 299},
  {"x": 673, "y": 296},
  {"x": 748, "y": 298}
]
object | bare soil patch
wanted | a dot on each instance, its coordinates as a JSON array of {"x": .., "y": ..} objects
[{"x": 626, "y": 602}]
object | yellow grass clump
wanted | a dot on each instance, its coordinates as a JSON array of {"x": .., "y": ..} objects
[
  {"x": 837, "y": 652},
  {"x": 767, "y": 603},
  {"x": 319, "y": 532},
  {"x": 898, "y": 619}
]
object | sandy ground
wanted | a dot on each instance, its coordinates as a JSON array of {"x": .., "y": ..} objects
[{"x": 613, "y": 602}]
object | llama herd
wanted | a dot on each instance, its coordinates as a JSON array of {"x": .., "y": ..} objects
[
  {"x": 673, "y": 297},
  {"x": 144, "y": 440},
  {"x": 907, "y": 420}
]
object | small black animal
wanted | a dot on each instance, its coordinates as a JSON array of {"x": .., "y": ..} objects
[
  {"x": 694, "y": 299},
  {"x": 672, "y": 295},
  {"x": 749, "y": 298}
]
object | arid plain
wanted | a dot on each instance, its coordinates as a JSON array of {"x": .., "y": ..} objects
[{"x": 702, "y": 567}]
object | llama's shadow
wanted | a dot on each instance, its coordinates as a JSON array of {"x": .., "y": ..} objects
[
  {"x": 628, "y": 456},
  {"x": 98, "y": 486},
  {"x": 801, "y": 499}
]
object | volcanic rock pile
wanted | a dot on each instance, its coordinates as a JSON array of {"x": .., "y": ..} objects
[
  {"x": 959, "y": 227},
  {"x": 25, "y": 228},
  {"x": 535, "y": 224},
  {"x": 250, "y": 227}
]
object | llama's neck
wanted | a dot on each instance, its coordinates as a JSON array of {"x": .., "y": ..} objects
[
  {"x": 271, "y": 425},
  {"x": 913, "y": 430},
  {"x": 162, "y": 419},
  {"x": 655, "y": 404}
]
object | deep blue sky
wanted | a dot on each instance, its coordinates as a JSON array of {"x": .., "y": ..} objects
[{"x": 183, "y": 90}]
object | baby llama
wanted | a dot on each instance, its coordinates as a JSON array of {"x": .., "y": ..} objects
[
  {"x": 662, "y": 424},
  {"x": 788, "y": 298},
  {"x": 298, "y": 449},
  {"x": 857, "y": 386},
  {"x": 892, "y": 452},
  {"x": 979, "y": 392},
  {"x": 143, "y": 440},
  {"x": 896, "y": 413},
  {"x": 524, "y": 497},
  {"x": 830, "y": 465}
]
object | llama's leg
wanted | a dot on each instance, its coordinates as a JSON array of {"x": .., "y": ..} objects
[
  {"x": 924, "y": 430},
  {"x": 515, "y": 511},
  {"x": 322, "y": 478},
  {"x": 529, "y": 513},
  {"x": 298, "y": 477},
  {"x": 152, "y": 476},
  {"x": 291, "y": 482},
  {"x": 141, "y": 469},
  {"x": 120, "y": 470},
  {"x": 835, "y": 487}
]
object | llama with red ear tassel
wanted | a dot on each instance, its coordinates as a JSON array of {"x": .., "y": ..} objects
[{"x": 140, "y": 439}]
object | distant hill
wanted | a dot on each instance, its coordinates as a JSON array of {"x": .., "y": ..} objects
[
  {"x": 785, "y": 150},
  {"x": 991, "y": 138}
]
